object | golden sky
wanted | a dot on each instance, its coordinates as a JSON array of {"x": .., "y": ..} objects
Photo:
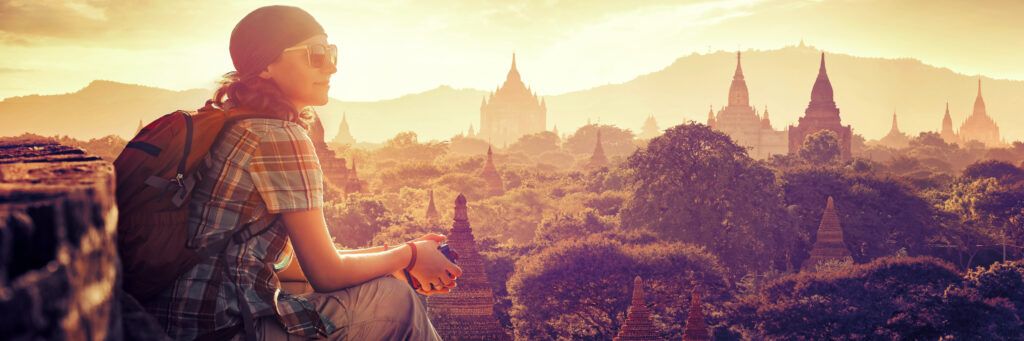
[{"x": 391, "y": 48}]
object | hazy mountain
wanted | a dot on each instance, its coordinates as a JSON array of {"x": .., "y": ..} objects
[
  {"x": 867, "y": 91},
  {"x": 101, "y": 108}
]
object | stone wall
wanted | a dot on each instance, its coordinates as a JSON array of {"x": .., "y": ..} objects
[{"x": 58, "y": 260}]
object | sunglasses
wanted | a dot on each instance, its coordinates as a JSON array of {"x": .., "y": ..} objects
[{"x": 318, "y": 55}]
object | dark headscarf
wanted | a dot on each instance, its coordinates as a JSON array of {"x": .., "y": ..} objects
[{"x": 259, "y": 38}]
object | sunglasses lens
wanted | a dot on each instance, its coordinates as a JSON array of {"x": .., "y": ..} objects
[{"x": 317, "y": 55}]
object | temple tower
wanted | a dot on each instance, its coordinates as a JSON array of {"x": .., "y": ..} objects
[
  {"x": 432, "y": 216},
  {"x": 467, "y": 312},
  {"x": 829, "y": 244},
  {"x": 980, "y": 126},
  {"x": 511, "y": 111},
  {"x": 895, "y": 138},
  {"x": 821, "y": 114},
  {"x": 947, "y": 132},
  {"x": 344, "y": 135},
  {"x": 739, "y": 120},
  {"x": 650, "y": 128},
  {"x": 638, "y": 324},
  {"x": 696, "y": 329},
  {"x": 491, "y": 176},
  {"x": 598, "y": 159}
]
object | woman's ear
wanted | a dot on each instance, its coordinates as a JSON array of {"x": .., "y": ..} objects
[{"x": 265, "y": 74}]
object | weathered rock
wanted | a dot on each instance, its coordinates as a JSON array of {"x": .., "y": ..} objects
[{"x": 58, "y": 260}]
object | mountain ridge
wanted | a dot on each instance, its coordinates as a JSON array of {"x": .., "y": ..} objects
[{"x": 867, "y": 91}]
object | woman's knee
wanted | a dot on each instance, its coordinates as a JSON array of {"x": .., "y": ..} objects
[{"x": 394, "y": 298}]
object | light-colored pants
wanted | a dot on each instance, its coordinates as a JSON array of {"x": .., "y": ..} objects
[{"x": 381, "y": 309}]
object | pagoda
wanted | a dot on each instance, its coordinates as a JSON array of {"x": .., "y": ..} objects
[
  {"x": 432, "y": 216},
  {"x": 638, "y": 324},
  {"x": 947, "y": 132},
  {"x": 467, "y": 312},
  {"x": 696, "y": 329},
  {"x": 598, "y": 159},
  {"x": 895, "y": 138},
  {"x": 821, "y": 114},
  {"x": 491, "y": 176},
  {"x": 829, "y": 244},
  {"x": 650, "y": 129},
  {"x": 511, "y": 111},
  {"x": 740, "y": 121},
  {"x": 334, "y": 168},
  {"x": 980, "y": 126},
  {"x": 344, "y": 135}
]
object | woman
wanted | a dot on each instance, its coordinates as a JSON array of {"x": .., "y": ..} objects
[{"x": 267, "y": 168}]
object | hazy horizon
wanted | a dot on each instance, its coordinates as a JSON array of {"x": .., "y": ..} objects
[{"x": 563, "y": 46}]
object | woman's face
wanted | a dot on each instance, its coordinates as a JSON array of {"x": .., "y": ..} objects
[{"x": 301, "y": 83}]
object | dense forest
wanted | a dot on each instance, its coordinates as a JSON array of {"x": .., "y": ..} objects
[{"x": 934, "y": 230}]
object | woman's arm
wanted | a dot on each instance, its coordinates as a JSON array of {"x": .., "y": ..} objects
[{"x": 328, "y": 270}]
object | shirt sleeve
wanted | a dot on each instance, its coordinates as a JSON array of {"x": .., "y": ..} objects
[{"x": 285, "y": 170}]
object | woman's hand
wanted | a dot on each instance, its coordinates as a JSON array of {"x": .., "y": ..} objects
[{"x": 432, "y": 269}]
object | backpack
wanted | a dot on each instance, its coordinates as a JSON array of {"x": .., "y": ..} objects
[{"x": 156, "y": 174}]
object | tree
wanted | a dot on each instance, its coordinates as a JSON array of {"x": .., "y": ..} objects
[
  {"x": 535, "y": 144},
  {"x": 696, "y": 185},
  {"x": 614, "y": 140},
  {"x": 1001, "y": 279},
  {"x": 406, "y": 147},
  {"x": 568, "y": 225},
  {"x": 354, "y": 222},
  {"x": 1002, "y": 171},
  {"x": 821, "y": 147},
  {"x": 873, "y": 226},
  {"x": 889, "y": 298},
  {"x": 580, "y": 289}
]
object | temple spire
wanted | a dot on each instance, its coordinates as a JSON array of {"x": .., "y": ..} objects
[
  {"x": 638, "y": 324},
  {"x": 696, "y": 329},
  {"x": 513, "y": 72},
  {"x": 738, "y": 94},
  {"x": 491, "y": 176},
  {"x": 344, "y": 133},
  {"x": 432, "y": 215},
  {"x": 598, "y": 159},
  {"x": 739, "y": 68},
  {"x": 467, "y": 312},
  {"x": 829, "y": 243},
  {"x": 821, "y": 93},
  {"x": 895, "y": 127}
]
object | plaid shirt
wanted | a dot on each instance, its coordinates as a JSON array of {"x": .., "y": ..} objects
[{"x": 262, "y": 167}]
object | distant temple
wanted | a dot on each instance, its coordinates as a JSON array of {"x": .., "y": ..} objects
[
  {"x": 947, "y": 132},
  {"x": 821, "y": 114},
  {"x": 829, "y": 244},
  {"x": 597, "y": 159},
  {"x": 696, "y": 329},
  {"x": 467, "y": 312},
  {"x": 344, "y": 135},
  {"x": 740, "y": 121},
  {"x": 979, "y": 126},
  {"x": 471, "y": 132},
  {"x": 895, "y": 138},
  {"x": 512, "y": 111},
  {"x": 432, "y": 216},
  {"x": 650, "y": 129},
  {"x": 491, "y": 177},
  {"x": 334, "y": 168},
  {"x": 638, "y": 324}
]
